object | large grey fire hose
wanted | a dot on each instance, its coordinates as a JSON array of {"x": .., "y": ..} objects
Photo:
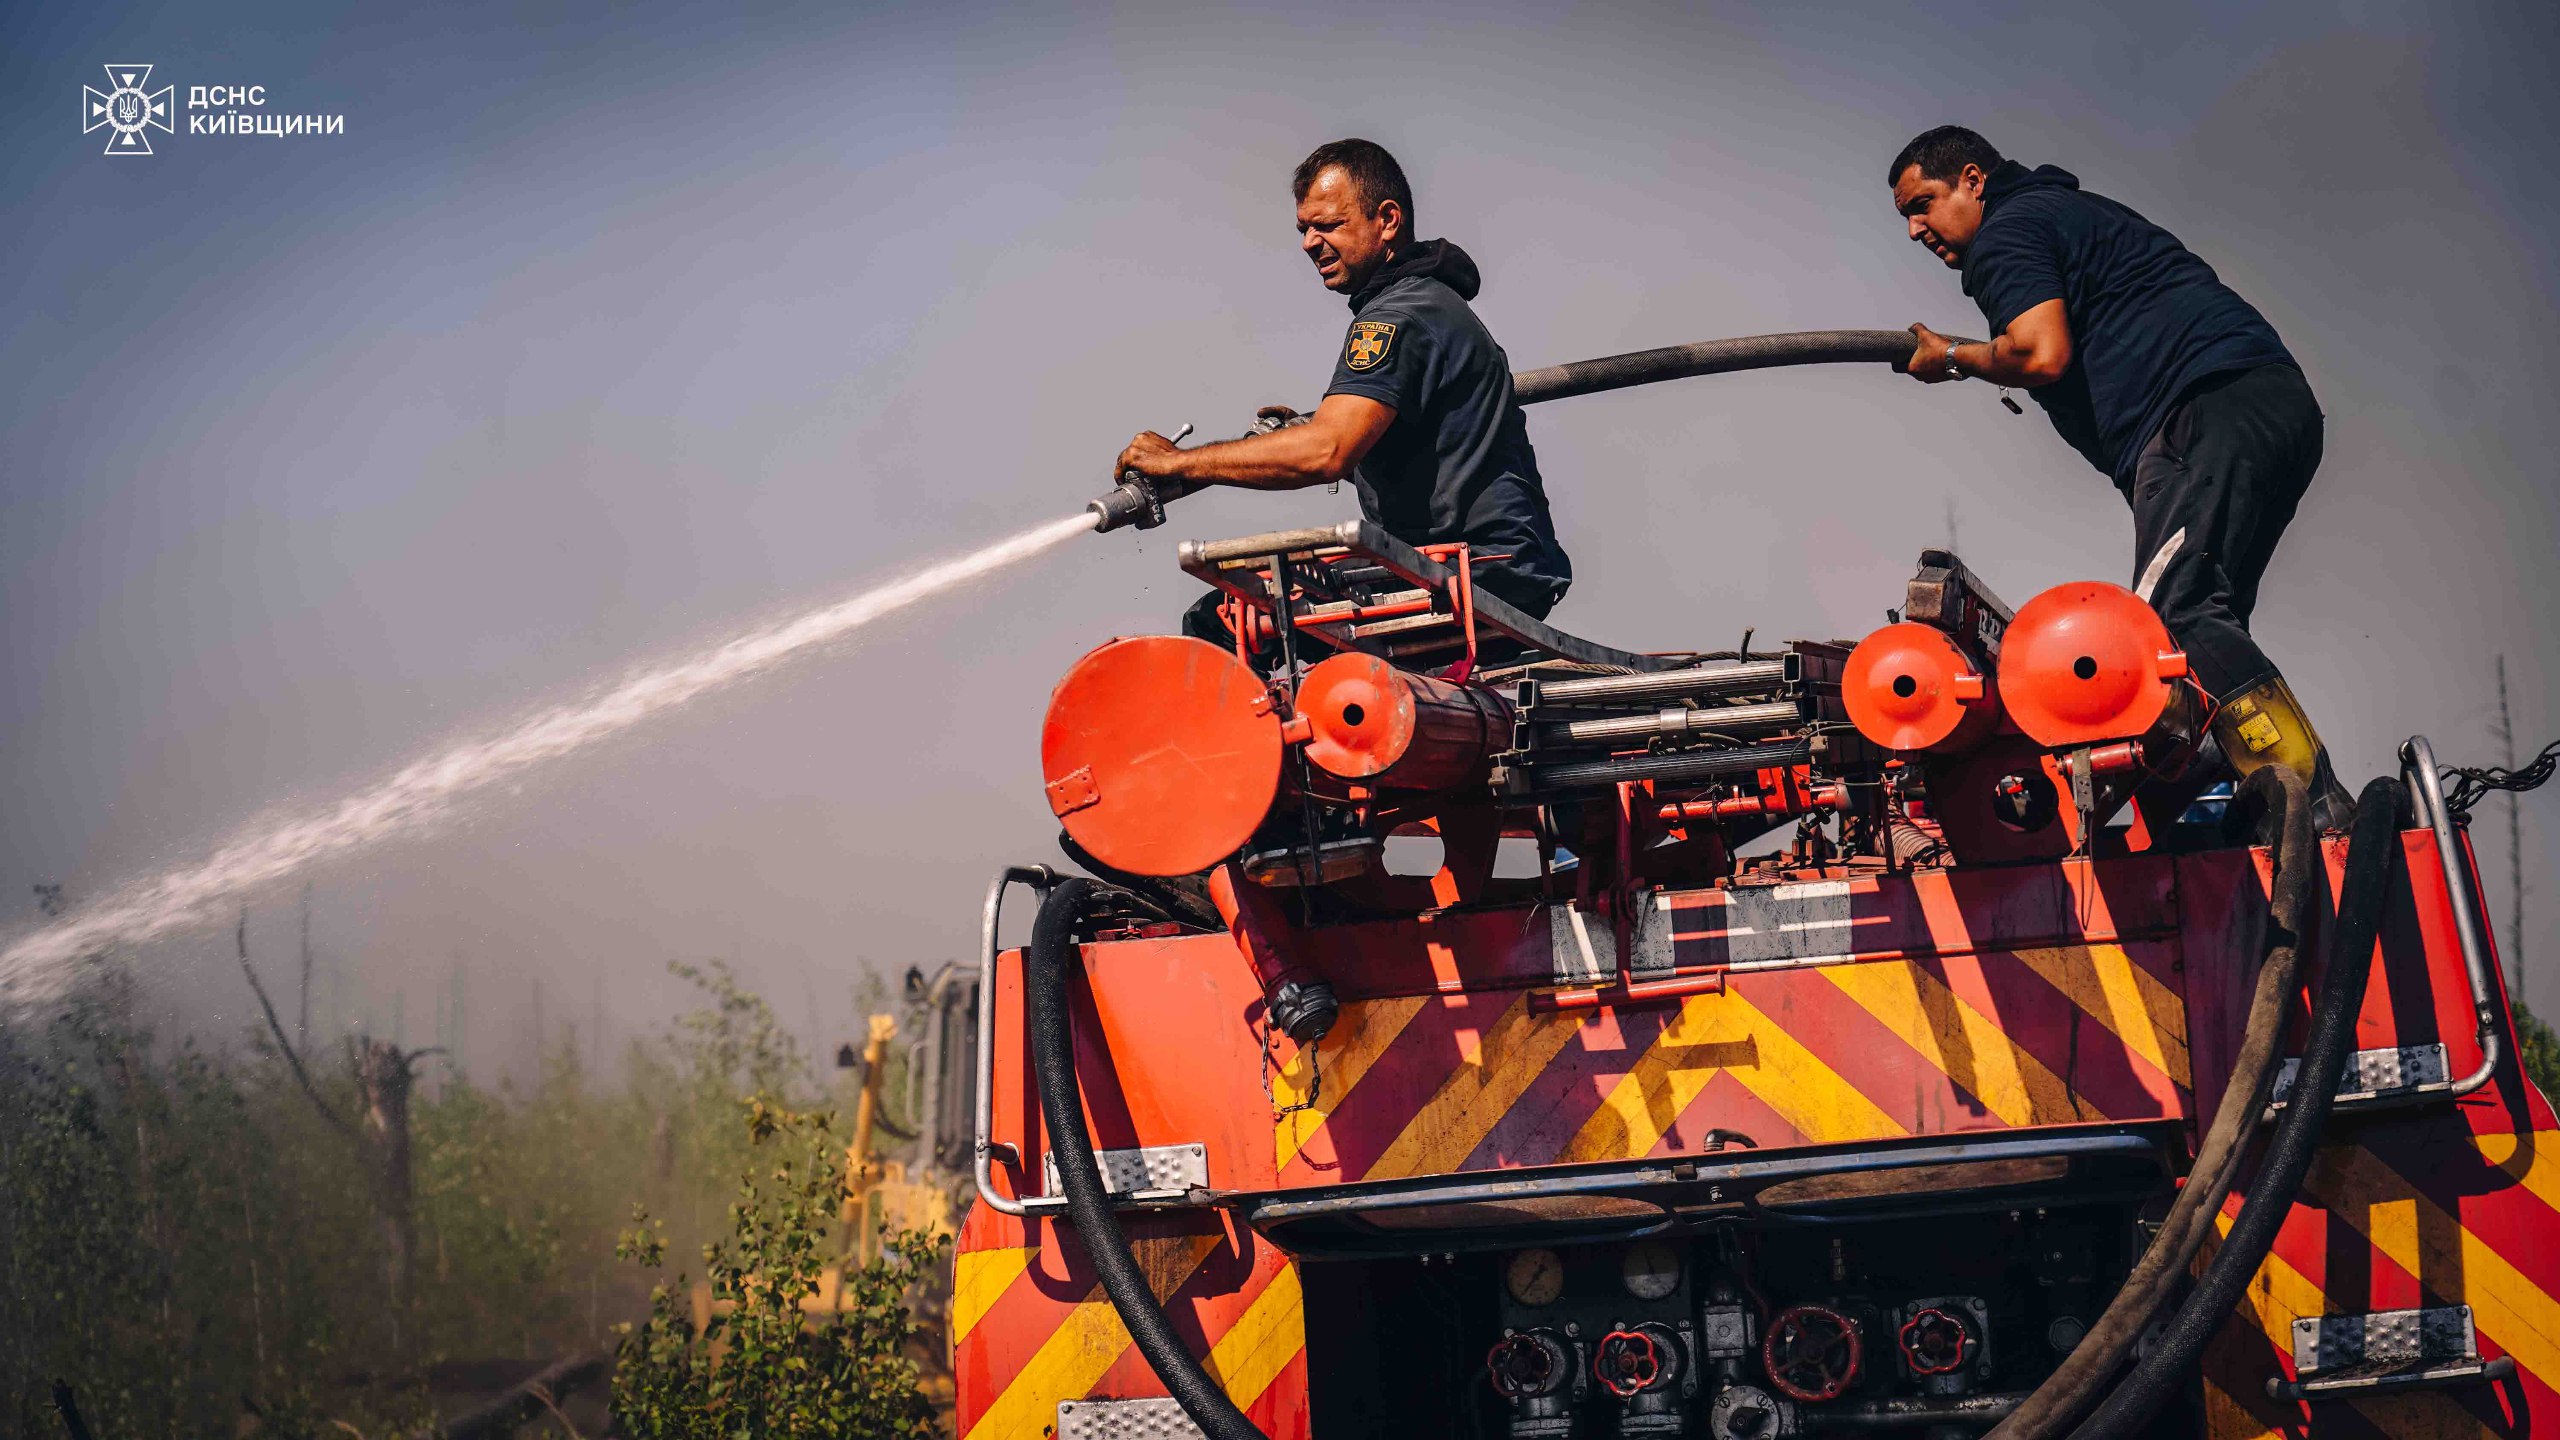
[
  {"x": 1140, "y": 502},
  {"x": 1053, "y": 1056},
  {"x": 2163, "y": 1267},
  {"x": 2374, "y": 857},
  {"x": 1713, "y": 357}
]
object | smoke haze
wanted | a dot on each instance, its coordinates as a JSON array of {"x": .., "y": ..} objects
[{"x": 605, "y": 332}]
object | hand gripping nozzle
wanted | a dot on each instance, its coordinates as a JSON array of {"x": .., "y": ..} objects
[{"x": 1138, "y": 499}]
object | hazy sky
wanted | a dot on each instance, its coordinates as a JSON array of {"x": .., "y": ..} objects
[{"x": 601, "y": 330}]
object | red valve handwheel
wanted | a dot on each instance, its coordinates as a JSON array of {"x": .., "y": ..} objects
[
  {"x": 1811, "y": 1352},
  {"x": 1519, "y": 1366},
  {"x": 1626, "y": 1362},
  {"x": 1935, "y": 1341}
]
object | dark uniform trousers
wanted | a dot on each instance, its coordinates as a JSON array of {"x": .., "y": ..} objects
[{"x": 2211, "y": 494}]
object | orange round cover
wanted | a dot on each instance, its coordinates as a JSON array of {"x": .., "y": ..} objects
[
  {"x": 1161, "y": 753},
  {"x": 1361, "y": 713},
  {"x": 1908, "y": 687},
  {"x": 2086, "y": 662}
]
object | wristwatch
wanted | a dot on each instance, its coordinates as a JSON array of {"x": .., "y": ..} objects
[{"x": 1952, "y": 372}]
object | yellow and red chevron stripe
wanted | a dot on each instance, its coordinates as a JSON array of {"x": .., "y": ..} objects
[
  {"x": 1030, "y": 1327},
  {"x": 1868, "y": 1050},
  {"x": 2412, "y": 1218}
]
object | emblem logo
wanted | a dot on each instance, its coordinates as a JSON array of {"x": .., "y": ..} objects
[
  {"x": 1369, "y": 342},
  {"x": 126, "y": 109}
]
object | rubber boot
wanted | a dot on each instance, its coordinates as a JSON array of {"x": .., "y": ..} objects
[{"x": 2261, "y": 725}]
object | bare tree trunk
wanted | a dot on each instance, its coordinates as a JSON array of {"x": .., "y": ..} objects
[
  {"x": 545, "y": 1387},
  {"x": 383, "y": 1073},
  {"x": 302, "y": 1020}
]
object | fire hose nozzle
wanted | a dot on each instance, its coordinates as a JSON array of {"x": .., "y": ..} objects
[{"x": 1138, "y": 500}]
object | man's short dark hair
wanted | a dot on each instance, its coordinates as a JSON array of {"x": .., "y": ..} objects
[
  {"x": 1942, "y": 154},
  {"x": 1374, "y": 174}
]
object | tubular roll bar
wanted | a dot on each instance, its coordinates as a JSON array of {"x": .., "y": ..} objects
[
  {"x": 982, "y": 1161},
  {"x": 2419, "y": 777},
  {"x": 1218, "y": 563},
  {"x": 2426, "y": 792}
]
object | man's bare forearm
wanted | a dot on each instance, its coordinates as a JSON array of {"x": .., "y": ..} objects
[
  {"x": 2001, "y": 361},
  {"x": 1293, "y": 457},
  {"x": 1288, "y": 459},
  {"x": 2035, "y": 350}
]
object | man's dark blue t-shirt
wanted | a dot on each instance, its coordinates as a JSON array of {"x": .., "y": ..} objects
[
  {"x": 1456, "y": 464},
  {"x": 2148, "y": 317}
]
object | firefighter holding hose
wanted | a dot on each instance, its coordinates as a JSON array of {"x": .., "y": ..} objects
[
  {"x": 1419, "y": 413},
  {"x": 2164, "y": 379}
]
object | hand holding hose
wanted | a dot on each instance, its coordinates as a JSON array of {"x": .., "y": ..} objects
[
  {"x": 1150, "y": 455},
  {"x": 1932, "y": 356}
]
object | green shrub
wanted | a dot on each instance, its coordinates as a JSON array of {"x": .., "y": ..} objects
[
  {"x": 763, "y": 1367},
  {"x": 191, "y": 1247}
]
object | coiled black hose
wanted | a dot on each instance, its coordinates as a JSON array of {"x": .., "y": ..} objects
[
  {"x": 2374, "y": 859},
  {"x": 2157, "y": 1276},
  {"x": 1053, "y": 1056}
]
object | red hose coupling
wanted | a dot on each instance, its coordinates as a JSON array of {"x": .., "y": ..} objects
[{"x": 1627, "y": 1363}]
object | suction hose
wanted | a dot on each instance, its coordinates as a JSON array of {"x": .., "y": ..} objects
[
  {"x": 2373, "y": 858},
  {"x": 1053, "y": 1056},
  {"x": 2163, "y": 1267}
]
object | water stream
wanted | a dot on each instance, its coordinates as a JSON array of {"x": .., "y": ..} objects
[{"x": 44, "y": 963}]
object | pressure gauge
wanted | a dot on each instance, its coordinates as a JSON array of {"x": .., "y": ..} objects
[
  {"x": 1651, "y": 1270},
  {"x": 1534, "y": 1277}
]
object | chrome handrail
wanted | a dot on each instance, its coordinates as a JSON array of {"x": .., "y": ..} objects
[
  {"x": 982, "y": 1163},
  {"x": 2418, "y": 772},
  {"x": 2426, "y": 798}
]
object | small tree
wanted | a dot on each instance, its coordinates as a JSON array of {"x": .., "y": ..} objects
[{"x": 763, "y": 1367}]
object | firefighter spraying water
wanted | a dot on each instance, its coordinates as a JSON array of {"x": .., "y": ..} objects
[
  {"x": 1854, "y": 1050},
  {"x": 38, "y": 966}
]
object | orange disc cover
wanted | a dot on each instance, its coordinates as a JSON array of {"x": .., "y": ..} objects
[
  {"x": 2086, "y": 662},
  {"x": 1361, "y": 714},
  {"x": 1161, "y": 754},
  {"x": 1908, "y": 687}
]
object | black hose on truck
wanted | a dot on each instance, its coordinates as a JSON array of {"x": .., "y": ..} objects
[
  {"x": 1139, "y": 501},
  {"x": 1713, "y": 357},
  {"x": 1053, "y": 1057},
  {"x": 2157, "y": 1277},
  {"x": 2372, "y": 852},
  {"x": 2374, "y": 859}
]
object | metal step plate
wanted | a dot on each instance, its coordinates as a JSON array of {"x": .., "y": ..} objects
[
  {"x": 2381, "y": 1378},
  {"x": 1157, "y": 1172},
  {"x": 2379, "y": 1072},
  {"x": 1158, "y": 1419},
  {"x": 2386, "y": 1337}
]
